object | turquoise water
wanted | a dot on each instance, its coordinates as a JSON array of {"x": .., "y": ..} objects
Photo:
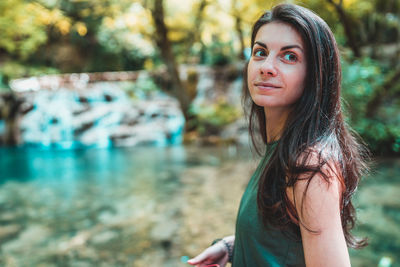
[
  {"x": 149, "y": 206},
  {"x": 109, "y": 206},
  {"x": 67, "y": 167}
]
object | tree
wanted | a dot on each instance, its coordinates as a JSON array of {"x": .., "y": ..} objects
[
  {"x": 24, "y": 27},
  {"x": 164, "y": 44},
  {"x": 348, "y": 25}
]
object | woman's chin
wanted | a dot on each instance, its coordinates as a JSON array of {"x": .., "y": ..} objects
[{"x": 262, "y": 102}]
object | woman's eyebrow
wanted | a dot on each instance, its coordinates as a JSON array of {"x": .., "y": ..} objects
[
  {"x": 282, "y": 49},
  {"x": 292, "y": 46},
  {"x": 261, "y": 44}
]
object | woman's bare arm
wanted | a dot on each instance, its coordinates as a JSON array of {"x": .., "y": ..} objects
[{"x": 321, "y": 213}]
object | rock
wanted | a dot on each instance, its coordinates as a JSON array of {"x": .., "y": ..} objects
[
  {"x": 164, "y": 230},
  {"x": 8, "y": 232},
  {"x": 27, "y": 239},
  {"x": 104, "y": 237},
  {"x": 7, "y": 217},
  {"x": 81, "y": 264},
  {"x": 106, "y": 216}
]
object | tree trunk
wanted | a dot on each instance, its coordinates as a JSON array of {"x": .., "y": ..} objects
[
  {"x": 165, "y": 46},
  {"x": 348, "y": 28},
  {"x": 238, "y": 28},
  {"x": 194, "y": 35},
  {"x": 239, "y": 31}
]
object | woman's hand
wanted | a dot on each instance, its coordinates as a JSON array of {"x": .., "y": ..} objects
[{"x": 217, "y": 253}]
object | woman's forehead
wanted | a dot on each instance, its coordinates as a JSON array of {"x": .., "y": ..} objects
[{"x": 279, "y": 34}]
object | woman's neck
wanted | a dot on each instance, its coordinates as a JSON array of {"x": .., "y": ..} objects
[{"x": 275, "y": 120}]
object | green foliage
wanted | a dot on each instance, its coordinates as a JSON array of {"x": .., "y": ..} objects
[
  {"x": 218, "y": 53},
  {"x": 209, "y": 118},
  {"x": 324, "y": 10},
  {"x": 131, "y": 50},
  {"x": 22, "y": 28},
  {"x": 361, "y": 78},
  {"x": 141, "y": 88},
  {"x": 14, "y": 69},
  {"x": 3, "y": 84}
]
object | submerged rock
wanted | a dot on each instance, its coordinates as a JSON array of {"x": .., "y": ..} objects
[
  {"x": 104, "y": 237},
  {"x": 28, "y": 239},
  {"x": 164, "y": 230},
  {"x": 9, "y": 232},
  {"x": 7, "y": 217}
]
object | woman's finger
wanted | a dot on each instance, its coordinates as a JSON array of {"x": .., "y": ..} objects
[{"x": 198, "y": 259}]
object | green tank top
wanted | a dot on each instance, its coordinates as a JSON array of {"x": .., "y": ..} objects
[{"x": 257, "y": 245}]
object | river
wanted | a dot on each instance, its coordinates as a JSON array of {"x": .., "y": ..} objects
[{"x": 149, "y": 206}]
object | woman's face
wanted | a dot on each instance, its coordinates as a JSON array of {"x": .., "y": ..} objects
[{"x": 277, "y": 67}]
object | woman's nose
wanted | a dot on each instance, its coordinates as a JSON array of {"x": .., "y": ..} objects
[{"x": 268, "y": 67}]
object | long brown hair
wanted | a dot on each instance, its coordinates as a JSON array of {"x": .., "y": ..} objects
[{"x": 314, "y": 126}]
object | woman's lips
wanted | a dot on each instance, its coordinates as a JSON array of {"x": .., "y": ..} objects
[{"x": 267, "y": 86}]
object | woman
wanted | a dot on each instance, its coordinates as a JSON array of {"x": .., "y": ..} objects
[{"x": 296, "y": 210}]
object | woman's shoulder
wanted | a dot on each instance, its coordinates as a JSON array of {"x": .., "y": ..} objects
[
  {"x": 317, "y": 193},
  {"x": 326, "y": 157},
  {"x": 322, "y": 173}
]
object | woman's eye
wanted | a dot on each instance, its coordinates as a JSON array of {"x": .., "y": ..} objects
[
  {"x": 259, "y": 53},
  {"x": 290, "y": 57}
]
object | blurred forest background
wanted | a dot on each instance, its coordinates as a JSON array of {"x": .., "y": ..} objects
[{"x": 62, "y": 36}]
